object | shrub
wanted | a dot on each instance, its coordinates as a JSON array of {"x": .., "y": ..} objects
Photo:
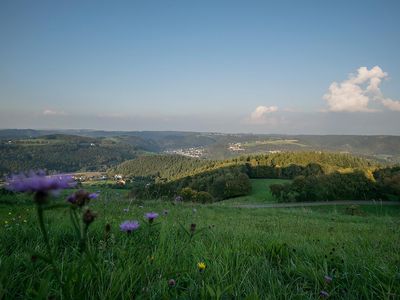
[
  {"x": 203, "y": 197},
  {"x": 188, "y": 194}
]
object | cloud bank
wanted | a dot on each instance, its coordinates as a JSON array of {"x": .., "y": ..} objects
[
  {"x": 260, "y": 114},
  {"x": 357, "y": 92},
  {"x": 49, "y": 112}
]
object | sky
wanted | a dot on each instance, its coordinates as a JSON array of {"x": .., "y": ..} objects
[{"x": 287, "y": 67}]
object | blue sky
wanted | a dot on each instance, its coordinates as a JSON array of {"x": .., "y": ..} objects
[{"x": 230, "y": 66}]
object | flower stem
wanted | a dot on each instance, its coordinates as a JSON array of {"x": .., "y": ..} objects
[{"x": 40, "y": 211}]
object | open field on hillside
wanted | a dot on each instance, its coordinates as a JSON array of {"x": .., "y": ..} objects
[
  {"x": 260, "y": 193},
  {"x": 248, "y": 253},
  {"x": 274, "y": 142}
]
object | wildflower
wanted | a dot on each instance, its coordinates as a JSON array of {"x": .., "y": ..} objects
[
  {"x": 201, "y": 266},
  {"x": 171, "y": 282},
  {"x": 80, "y": 198},
  {"x": 327, "y": 279},
  {"x": 38, "y": 182},
  {"x": 88, "y": 217},
  {"x": 129, "y": 226},
  {"x": 323, "y": 294},
  {"x": 178, "y": 199},
  {"x": 151, "y": 216},
  {"x": 93, "y": 195}
]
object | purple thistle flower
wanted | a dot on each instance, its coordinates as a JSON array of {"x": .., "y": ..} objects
[
  {"x": 38, "y": 182},
  {"x": 151, "y": 216},
  {"x": 328, "y": 279},
  {"x": 129, "y": 226},
  {"x": 323, "y": 294}
]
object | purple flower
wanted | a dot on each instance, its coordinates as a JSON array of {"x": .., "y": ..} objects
[
  {"x": 94, "y": 195},
  {"x": 129, "y": 226},
  {"x": 323, "y": 294},
  {"x": 38, "y": 182},
  {"x": 71, "y": 199},
  {"x": 80, "y": 198},
  {"x": 328, "y": 279},
  {"x": 151, "y": 216},
  {"x": 178, "y": 198}
]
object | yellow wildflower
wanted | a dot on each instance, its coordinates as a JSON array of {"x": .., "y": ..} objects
[{"x": 201, "y": 266}]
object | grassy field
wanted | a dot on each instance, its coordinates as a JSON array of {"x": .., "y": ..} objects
[
  {"x": 260, "y": 193},
  {"x": 274, "y": 142},
  {"x": 249, "y": 254}
]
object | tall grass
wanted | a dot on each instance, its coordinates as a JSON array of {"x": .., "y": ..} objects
[{"x": 249, "y": 254}]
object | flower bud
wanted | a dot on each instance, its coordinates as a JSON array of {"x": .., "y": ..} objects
[
  {"x": 171, "y": 282},
  {"x": 88, "y": 217}
]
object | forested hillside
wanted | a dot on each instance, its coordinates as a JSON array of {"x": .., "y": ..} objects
[
  {"x": 288, "y": 165},
  {"x": 63, "y": 153},
  {"x": 162, "y": 166},
  {"x": 217, "y": 145},
  {"x": 159, "y": 176}
]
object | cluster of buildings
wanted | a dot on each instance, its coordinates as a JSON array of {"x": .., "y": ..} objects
[
  {"x": 195, "y": 152},
  {"x": 89, "y": 177},
  {"x": 235, "y": 147}
]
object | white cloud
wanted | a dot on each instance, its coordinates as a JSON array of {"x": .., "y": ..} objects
[
  {"x": 391, "y": 104},
  {"x": 356, "y": 93},
  {"x": 49, "y": 112},
  {"x": 260, "y": 114}
]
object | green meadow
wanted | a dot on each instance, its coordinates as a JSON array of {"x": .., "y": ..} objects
[
  {"x": 248, "y": 253},
  {"x": 259, "y": 194}
]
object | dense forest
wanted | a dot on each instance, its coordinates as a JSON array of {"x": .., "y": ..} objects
[
  {"x": 383, "y": 184},
  {"x": 204, "y": 187},
  {"x": 161, "y": 166}
]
